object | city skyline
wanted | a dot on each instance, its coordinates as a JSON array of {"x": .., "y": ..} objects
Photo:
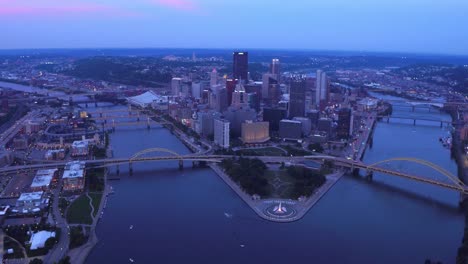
[{"x": 388, "y": 26}]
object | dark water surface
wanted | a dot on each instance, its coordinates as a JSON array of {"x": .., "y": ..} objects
[{"x": 179, "y": 216}]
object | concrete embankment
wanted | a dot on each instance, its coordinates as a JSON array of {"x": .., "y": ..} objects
[{"x": 260, "y": 206}]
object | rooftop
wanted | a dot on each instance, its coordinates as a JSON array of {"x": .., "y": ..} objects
[
  {"x": 30, "y": 196},
  {"x": 38, "y": 239},
  {"x": 80, "y": 144},
  {"x": 72, "y": 174},
  {"x": 147, "y": 98},
  {"x": 41, "y": 181}
]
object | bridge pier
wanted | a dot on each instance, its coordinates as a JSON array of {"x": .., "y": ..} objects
[
  {"x": 461, "y": 201},
  {"x": 441, "y": 124},
  {"x": 181, "y": 164},
  {"x": 130, "y": 168},
  {"x": 388, "y": 120},
  {"x": 95, "y": 103},
  {"x": 414, "y": 122},
  {"x": 355, "y": 171},
  {"x": 86, "y": 105},
  {"x": 369, "y": 175},
  {"x": 118, "y": 170}
]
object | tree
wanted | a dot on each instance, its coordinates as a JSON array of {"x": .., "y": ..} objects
[
  {"x": 65, "y": 260},
  {"x": 316, "y": 147},
  {"x": 50, "y": 242},
  {"x": 36, "y": 261}
]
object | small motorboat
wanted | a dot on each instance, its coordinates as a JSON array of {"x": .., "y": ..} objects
[
  {"x": 131, "y": 260},
  {"x": 228, "y": 215},
  {"x": 131, "y": 227}
]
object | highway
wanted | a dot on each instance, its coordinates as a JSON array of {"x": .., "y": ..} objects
[{"x": 11, "y": 132}]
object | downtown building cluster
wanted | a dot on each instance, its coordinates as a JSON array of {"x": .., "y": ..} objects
[{"x": 280, "y": 105}]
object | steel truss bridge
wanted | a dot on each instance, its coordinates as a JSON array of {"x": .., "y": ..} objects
[{"x": 453, "y": 182}]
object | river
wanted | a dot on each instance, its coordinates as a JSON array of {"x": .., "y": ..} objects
[
  {"x": 43, "y": 91},
  {"x": 192, "y": 216}
]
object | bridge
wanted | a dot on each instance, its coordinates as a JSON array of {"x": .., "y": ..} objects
[
  {"x": 414, "y": 119},
  {"x": 453, "y": 183}
]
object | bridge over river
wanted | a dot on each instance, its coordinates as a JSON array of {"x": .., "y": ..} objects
[{"x": 451, "y": 181}]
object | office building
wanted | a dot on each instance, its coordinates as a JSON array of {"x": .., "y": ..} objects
[
  {"x": 221, "y": 132},
  {"x": 20, "y": 143},
  {"x": 314, "y": 116},
  {"x": 30, "y": 199},
  {"x": 325, "y": 125},
  {"x": 241, "y": 65},
  {"x": 176, "y": 86},
  {"x": 213, "y": 78},
  {"x": 238, "y": 115},
  {"x": 290, "y": 129},
  {"x": 239, "y": 96},
  {"x": 230, "y": 87},
  {"x": 32, "y": 126},
  {"x": 345, "y": 123},
  {"x": 255, "y": 132},
  {"x": 267, "y": 80},
  {"x": 297, "y": 99},
  {"x": 275, "y": 68},
  {"x": 43, "y": 180},
  {"x": 74, "y": 176},
  {"x": 196, "y": 90},
  {"x": 80, "y": 148},
  {"x": 322, "y": 90},
  {"x": 274, "y": 116},
  {"x": 253, "y": 101},
  {"x": 306, "y": 125},
  {"x": 221, "y": 100}
]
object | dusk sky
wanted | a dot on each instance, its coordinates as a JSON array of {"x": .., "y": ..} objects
[{"x": 424, "y": 26}]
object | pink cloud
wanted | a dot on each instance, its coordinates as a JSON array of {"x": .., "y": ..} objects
[
  {"x": 186, "y": 5},
  {"x": 53, "y": 8}
]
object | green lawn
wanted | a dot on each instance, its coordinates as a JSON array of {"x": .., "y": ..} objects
[
  {"x": 17, "y": 249},
  {"x": 281, "y": 183},
  {"x": 79, "y": 212},
  {"x": 96, "y": 201}
]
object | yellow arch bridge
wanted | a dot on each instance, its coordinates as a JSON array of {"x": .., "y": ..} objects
[{"x": 452, "y": 183}]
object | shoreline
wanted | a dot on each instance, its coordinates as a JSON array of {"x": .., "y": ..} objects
[
  {"x": 261, "y": 206},
  {"x": 81, "y": 253}
]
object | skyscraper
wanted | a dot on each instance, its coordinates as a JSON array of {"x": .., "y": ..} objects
[
  {"x": 267, "y": 79},
  {"x": 221, "y": 132},
  {"x": 176, "y": 86},
  {"x": 221, "y": 100},
  {"x": 297, "y": 99},
  {"x": 239, "y": 96},
  {"x": 213, "y": 78},
  {"x": 230, "y": 87},
  {"x": 345, "y": 123},
  {"x": 275, "y": 67},
  {"x": 322, "y": 89},
  {"x": 241, "y": 65}
]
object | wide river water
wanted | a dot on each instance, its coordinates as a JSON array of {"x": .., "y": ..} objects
[{"x": 192, "y": 216}]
